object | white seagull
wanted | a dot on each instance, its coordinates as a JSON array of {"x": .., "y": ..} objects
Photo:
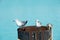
[
  {"x": 20, "y": 23},
  {"x": 38, "y": 24},
  {"x": 50, "y": 25}
]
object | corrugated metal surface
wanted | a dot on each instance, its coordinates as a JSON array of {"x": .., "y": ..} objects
[
  {"x": 33, "y": 33},
  {"x": 23, "y": 35}
]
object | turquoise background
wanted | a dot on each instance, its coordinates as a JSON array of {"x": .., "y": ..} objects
[{"x": 47, "y": 11}]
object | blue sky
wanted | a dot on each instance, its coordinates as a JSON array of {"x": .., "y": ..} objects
[{"x": 47, "y": 11}]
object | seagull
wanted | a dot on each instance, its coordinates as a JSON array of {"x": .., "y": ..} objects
[
  {"x": 49, "y": 26},
  {"x": 38, "y": 24},
  {"x": 20, "y": 23}
]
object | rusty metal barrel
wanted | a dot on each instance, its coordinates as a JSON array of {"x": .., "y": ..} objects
[{"x": 34, "y": 33}]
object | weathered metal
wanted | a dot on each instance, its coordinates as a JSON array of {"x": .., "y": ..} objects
[{"x": 34, "y": 33}]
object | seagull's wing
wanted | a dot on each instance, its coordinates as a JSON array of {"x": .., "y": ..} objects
[
  {"x": 24, "y": 23},
  {"x": 19, "y": 23},
  {"x": 38, "y": 24}
]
